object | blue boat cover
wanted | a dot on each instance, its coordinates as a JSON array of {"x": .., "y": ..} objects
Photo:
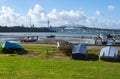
[{"x": 8, "y": 44}]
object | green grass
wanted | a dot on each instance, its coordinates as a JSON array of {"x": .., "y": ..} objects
[
  {"x": 41, "y": 49},
  {"x": 15, "y": 67},
  {"x": 20, "y": 67}
]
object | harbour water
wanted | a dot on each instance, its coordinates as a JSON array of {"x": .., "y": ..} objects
[{"x": 71, "y": 37}]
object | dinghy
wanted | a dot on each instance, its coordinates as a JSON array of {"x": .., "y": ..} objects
[
  {"x": 79, "y": 52},
  {"x": 51, "y": 36},
  {"x": 8, "y": 44},
  {"x": 11, "y": 47},
  {"x": 30, "y": 39},
  {"x": 109, "y": 53}
]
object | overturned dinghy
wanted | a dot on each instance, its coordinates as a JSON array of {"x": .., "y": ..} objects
[
  {"x": 8, "y": 44},
  {"x": 11, "y": 47},
  {"x": 109, "y": 53},
  {"x": 79, "y": 52}
]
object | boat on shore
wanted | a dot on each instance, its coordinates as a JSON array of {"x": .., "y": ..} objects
[
  {"x": 79, "y": 52},
  {"x": 103, "y": 39},
  {"x": 109, "y": 53},
  {"x": 10, "y": 47},
  {"x": 30, "y": 39}
]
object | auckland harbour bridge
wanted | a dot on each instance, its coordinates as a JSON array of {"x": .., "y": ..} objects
[{"x": 83, "y": 29}]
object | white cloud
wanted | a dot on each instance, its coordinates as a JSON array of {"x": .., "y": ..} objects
[
  {"x": 53, "y": 14},
  {"x": 39, "y": 18},
  {"x": 98, "y": 13},
  {"x": 37, "y": 15},
  {"x": 66, "y": 17},
  {"x": 9, "y": 17},
  {"x": 111, "y": 7},
  {"x": 7, "y": 10}
]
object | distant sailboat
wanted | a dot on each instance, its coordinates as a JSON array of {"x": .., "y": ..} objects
[{"x": 29, "y": 38}]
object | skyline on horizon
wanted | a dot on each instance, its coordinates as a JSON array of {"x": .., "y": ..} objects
[{"x": 91, "y": 13}]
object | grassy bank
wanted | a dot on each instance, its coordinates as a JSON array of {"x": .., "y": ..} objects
[
  {"x": 15, "y": 67},
  {"x": 37, "y": 67}
]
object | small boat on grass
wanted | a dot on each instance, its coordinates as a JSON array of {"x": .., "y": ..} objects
[
  {"x": 109, "y": 53},
  {"x": 30, "y": 39},
  {"x": 8, "y": 44},
  {"x": 11, "y": 47},
  {"x": 79, "y": 52}
]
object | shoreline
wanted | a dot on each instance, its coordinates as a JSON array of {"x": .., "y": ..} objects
[{"x": 51, "y": 42}]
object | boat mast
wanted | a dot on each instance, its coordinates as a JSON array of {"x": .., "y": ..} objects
[
  {"x": 48, "y": 22},
  {"x": 30, "y": 25}
]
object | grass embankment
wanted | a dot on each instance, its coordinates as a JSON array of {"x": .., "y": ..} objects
[
  {"x": 41, "y": 49},
  {"x": 20, "y": 67}
]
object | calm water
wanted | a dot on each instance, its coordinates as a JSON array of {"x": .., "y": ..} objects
[{"x": 71, "y": 37}]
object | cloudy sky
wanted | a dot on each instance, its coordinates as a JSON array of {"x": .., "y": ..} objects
[{"x": 91, "y": 13}]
